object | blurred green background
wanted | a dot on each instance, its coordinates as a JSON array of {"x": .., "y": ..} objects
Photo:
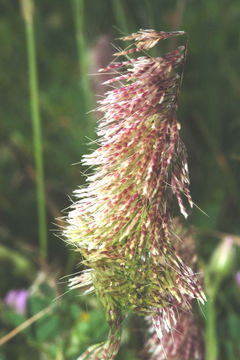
[{"x": 73, "y": 39}]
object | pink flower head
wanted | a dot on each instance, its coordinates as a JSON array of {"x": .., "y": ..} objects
[
  {"x": 121, "y": 222},
  {"x": 17, "y": 299}
]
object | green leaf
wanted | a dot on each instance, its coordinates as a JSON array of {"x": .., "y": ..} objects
[
  {"x": 14, "y": 318},
  {"x": 75, "y": 311},
  {"x": 37, "y": 304},
  {"x": 48, "y": 328}
]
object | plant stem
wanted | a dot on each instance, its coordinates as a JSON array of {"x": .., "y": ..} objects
[
  {"x": 27, "y": 10},
  {"x": 120, "y": 16},
  {"x": 210, "y": 332},
  {"x": 211, "y": 343},
  {"x": 83, "y": 59},
  {"x": 150, "y": 14},
  {"x": 25, "y": 325}
]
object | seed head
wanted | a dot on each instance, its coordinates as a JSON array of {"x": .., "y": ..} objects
[{"x": 121, "y": 222}]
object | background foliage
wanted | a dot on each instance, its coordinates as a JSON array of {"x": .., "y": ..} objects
[{"x": 71, "y": 41}]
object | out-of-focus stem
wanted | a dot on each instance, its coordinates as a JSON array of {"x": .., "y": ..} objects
[
  {"x": 211, "y": 343},
  {"x": 120, "y": 16},
  {"x": 25, "y": 325},
  {"x": 27, "y": 11},
  {"x": 83, "y": 59},
  {"x": 150, "y": 14},
  {"x": 210, "y": 332}
]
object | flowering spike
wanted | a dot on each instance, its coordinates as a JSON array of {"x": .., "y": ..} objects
[{"x": 121, "y": 221}]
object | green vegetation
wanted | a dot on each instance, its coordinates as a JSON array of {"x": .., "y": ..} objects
[{"x": 70, "y": 41}]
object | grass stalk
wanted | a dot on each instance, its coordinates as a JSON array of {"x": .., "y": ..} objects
[
  {"x": 210, "y": 331},
  {"x": 25, "y": 325},
  {"x": 85, "y": 85},
  {"x": 150, "y": 15},
  {"x": 211, "y": 338},
  {"x": 120, "y": 16},
  {"x": 83, "y": 58},
  {"x": 27, "y": 11}
]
